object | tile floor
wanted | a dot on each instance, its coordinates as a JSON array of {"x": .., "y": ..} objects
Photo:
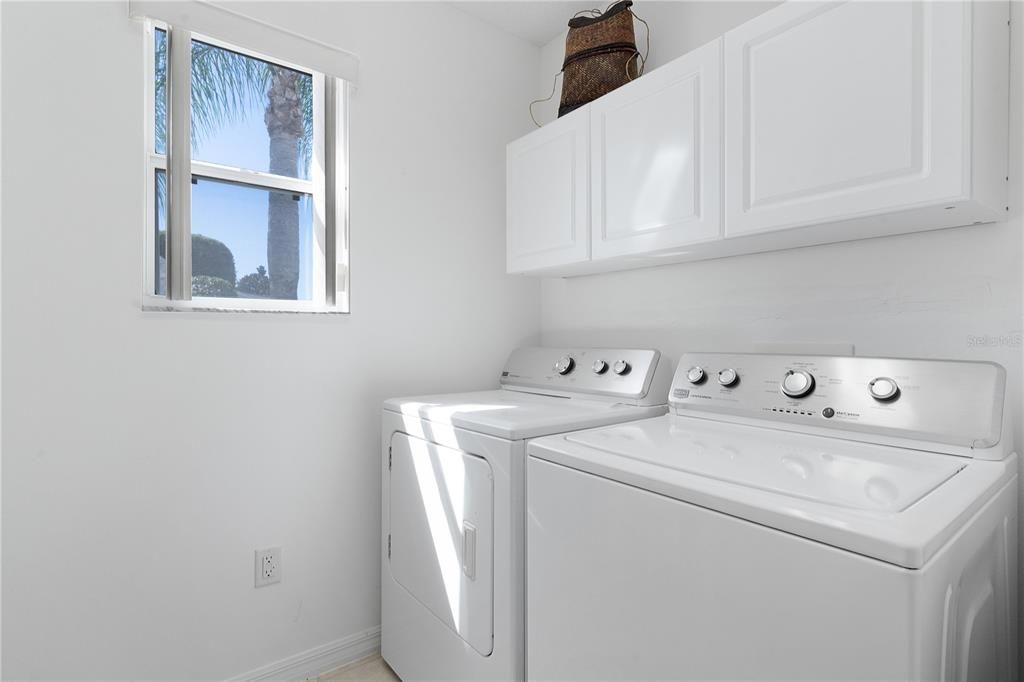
[{"x": 370, "y": 669}]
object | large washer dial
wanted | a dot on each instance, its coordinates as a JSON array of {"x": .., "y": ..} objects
[
  {"x": 564, "y": 364},
  {"x": 599, "y": 367},
  {"x": 797, "y": 383},
  {"x": 728, "y": 376},
  {"x": 696, "y": 375},
  {"x": 621, "y": 367},
  {"x": 883, "y": 388}
]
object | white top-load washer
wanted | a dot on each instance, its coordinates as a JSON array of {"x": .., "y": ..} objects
[
  {"x": 790, "y": 518},
  {"x": 453, "y": 502}
]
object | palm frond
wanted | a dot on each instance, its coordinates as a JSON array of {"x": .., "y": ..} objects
[
  {"x": 306, "y": 141},
  {"x": 160, "y": 99},
  {"x": 225, "y": 85}
]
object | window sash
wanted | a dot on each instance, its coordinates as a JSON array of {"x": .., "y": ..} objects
[
  {"x": 241, "y": 176},
  {"x": 179, "y": 164},
  {"x": 149, "y": 272},
  {"x": 330, "y": 204},
  {"x": 336, "y": 198}
]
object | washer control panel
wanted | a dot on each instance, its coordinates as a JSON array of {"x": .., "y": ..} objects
[
  {"x": 938, "y": 401},
  {"x": 623, "y": 373}
]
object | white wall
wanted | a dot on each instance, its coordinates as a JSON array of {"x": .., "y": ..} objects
[
  {"x": 147, "y": 454},
  {"x": 921, "y": 295}
]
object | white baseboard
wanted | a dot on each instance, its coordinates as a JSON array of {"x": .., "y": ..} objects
[{"x": 318, "y": 660}]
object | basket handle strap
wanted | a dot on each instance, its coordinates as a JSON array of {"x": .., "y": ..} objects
[
  {"x": 642, "y": 59},
  {"x": 554, "y": 84},
  {"x": 592, "y": 12}
]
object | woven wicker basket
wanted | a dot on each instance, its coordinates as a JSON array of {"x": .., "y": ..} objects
[{"x": 600, "y": 55}]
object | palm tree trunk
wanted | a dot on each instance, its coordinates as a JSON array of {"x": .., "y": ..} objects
[{"x": 284, "y": 126}]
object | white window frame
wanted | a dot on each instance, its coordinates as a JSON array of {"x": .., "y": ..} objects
[{"x": 328, "y": 186}]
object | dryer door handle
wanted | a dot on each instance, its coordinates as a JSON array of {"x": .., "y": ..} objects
[{"x": 469, "y": 550}]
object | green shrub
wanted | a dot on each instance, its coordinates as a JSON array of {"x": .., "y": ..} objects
[
  {"x": 209, "y": 257},
  {"x": 204, "y": 285},
  {"x": 213, "y": 258},
  {"x": 255, "y": 283}
]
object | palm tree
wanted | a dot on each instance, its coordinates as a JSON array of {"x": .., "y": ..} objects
[
  {"x": 285, "y": 126},
  {"x": 225, "y": 87}
]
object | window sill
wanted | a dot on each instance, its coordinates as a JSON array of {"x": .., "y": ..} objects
[{"x": 228, "y": 305}]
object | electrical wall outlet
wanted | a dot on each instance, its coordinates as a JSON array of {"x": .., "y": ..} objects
[{"x": 268, "y": 566}]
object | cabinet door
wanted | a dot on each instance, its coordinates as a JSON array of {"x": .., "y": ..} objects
[
  {"x": 656, "y": 147},
  {"x": 844, "y": 109},
  {"x": 547, "y": 195}
]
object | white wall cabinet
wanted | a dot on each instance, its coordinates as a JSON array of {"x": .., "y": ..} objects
[
  {"x": 548, "y": 195},
  {"x": 838, "y": 121},
  {"x": 656, "y": 159},
  {"x": 836, "y": 111}
]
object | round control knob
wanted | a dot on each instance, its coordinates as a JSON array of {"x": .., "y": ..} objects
[
  {"x": 564, "y": 364},
  {"x": 728, "y": 376},
  {"x": 621, "y": 367},
  {"x": 797, "y": 383},
  {"x": 883, "y": 388},
  {"x": 599, "y": 367},
  {"x": 695, "y": 375}
]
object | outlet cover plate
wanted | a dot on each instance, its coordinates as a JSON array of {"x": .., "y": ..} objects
[{"x": 268, "y": 566}]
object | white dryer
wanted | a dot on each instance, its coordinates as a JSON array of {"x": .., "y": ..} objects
[
  {"x": 453, "y": 502},
  {"x": 791, "y": 518}
]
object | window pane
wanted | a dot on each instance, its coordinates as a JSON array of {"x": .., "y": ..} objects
[
  {"x": 160, "y": 91},
  {"x": 251, "y": 242},
  {"x": 160, "y": 234},
  {"x": 248, "y": 113}
]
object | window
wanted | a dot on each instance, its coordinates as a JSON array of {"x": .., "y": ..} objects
[{"x": 246, "y": 180}]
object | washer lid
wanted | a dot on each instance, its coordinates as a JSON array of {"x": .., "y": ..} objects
[
  {"x": 826, "y": 470},
  {"x": 893, "y": 504},
  {"x": 515, "y": 415}
]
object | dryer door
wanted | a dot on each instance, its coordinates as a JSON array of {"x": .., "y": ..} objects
[{"x": 442, "y": 534}]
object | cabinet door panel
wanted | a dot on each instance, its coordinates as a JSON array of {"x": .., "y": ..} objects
[
  {"x": 840, "y": 110},
  {"x": 548, "y": 194},
  {"x": 656, "y": 158}
]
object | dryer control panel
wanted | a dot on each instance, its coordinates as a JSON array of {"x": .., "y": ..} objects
[
  {"x": 638, "y": 376},
  {"x": 955, "y": 403}
]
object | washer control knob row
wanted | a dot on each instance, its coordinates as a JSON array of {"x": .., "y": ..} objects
[
  {"x": 797, "y": 383},
  {"x": 883, "y": 388},
  {"x": 728, "y": 376},
  {"x": 599, "y": 367},
  {"x": 564, "y": 364},
  {"x": 696, "y": 375},
  {"x": 621, "y": 367}
]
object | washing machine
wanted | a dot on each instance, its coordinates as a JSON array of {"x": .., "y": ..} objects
[
  {"x": 452, "y": 559},
  {"x": 792, "y": 517}
]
